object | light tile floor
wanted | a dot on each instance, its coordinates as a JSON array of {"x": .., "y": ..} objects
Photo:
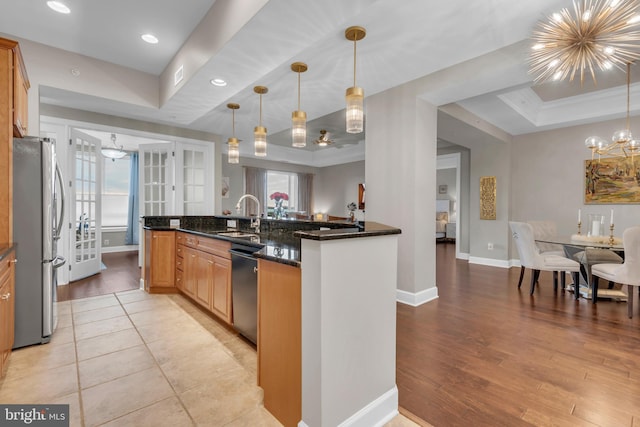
[{"x": 134, "y": 359}]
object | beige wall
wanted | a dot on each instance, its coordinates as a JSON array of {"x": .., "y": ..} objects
[
  {"x": 336, "y": 186},
  {"x": 548, "y": 177}
]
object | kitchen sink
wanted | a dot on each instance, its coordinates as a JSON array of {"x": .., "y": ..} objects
[{"x": 238, "y": 234}]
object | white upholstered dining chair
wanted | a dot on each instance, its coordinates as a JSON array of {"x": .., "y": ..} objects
[
  {"x": 531, "y": 258},
  {"x": 627, "y": 273}
]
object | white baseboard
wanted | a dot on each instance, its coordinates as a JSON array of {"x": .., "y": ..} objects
[
  {"x": 377, "y": 413},
  {"x": 111, "y": 249},
  {"x": 490, "y": 262},
  {"x": 464, "y": 256},
  {"x": 416, "y": 299}
]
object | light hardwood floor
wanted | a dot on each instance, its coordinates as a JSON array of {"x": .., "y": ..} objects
[{"x": 487, "y": 354}]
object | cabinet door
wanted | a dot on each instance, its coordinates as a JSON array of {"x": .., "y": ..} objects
[
  {"x": 7, "y": 277},
  {"x": 204, "y": 278},
  {"x": 20, "y": 93},
  {"x": 221, "y": 302},
  {"x": 163, "y": 259},
  {"x": 189, "y": 272}
]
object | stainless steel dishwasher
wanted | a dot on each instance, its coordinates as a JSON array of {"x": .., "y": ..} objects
[{"x": 244, "y": 288}]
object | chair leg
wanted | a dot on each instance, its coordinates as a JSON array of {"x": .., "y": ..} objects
[
  {"x": 576, "y": 284},
  {"x": 555, "y": 281},
  {"x": 630, "y": 301},
  {"x": 563, "y": 280},
  {"x": 534, "y": 279},
  {"x": 594, "y": 289},
  {"x": 522, "y": 268},
  {"x": 537, "y": 277}
]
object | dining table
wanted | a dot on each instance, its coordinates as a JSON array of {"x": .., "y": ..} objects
[{"x": 573, "y": 244}]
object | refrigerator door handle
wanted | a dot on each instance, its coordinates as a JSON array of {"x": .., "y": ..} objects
[
  {"x": 58, "y": 229},
  {"x": 58, "y": 262}
]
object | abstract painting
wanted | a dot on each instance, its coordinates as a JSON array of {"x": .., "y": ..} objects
[{"x": 612, "y": 181}]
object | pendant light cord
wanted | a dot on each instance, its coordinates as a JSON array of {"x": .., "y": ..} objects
[
  {"x": 628, "y": 92},
  {"x": 260, "y": 109},
  {"x": 298, "y": 89},
  {"x": 354, "y": 62}
]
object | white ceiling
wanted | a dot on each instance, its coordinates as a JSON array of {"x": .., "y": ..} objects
[{"x": 470, "y": 53}]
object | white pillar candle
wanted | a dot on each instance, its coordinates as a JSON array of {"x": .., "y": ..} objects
[
  {"x": 612, "y": 216},
  {"x": 579, "y": 214},
  {"x": 595, "y": 228}
]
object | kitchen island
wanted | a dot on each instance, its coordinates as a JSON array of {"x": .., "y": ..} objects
[{"x": 326, "y": 316}]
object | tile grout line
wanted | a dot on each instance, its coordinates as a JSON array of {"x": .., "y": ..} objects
[
  {"x": 155, "y": 361},
  {"x": 77, "y": 361}
]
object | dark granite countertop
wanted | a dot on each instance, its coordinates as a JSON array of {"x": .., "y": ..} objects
[
  {"x": 370, "y": 229},
  {"x": 278, "y": 240},
  {"x": 275, "y": 246},
  {"x": 5, "y": 249}
]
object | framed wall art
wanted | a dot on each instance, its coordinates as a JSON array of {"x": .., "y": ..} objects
[
  {"x": 614, "y": 181},
  {"x": 488, "y": 197}
]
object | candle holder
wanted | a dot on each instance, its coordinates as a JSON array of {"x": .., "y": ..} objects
[
  {"x": 611, "y": 240},
  {"x": 579, "y": 226}
]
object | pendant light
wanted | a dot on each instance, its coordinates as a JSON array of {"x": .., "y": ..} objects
[
  {"x": 260, "y": 132},
  {"x": 355, "y": 94},
  {"x": 298, "y": 117},
  {"x": 114, "y": 152},
  {"x": 234, "y": 152}
]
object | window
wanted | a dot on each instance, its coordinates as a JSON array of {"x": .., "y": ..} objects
[
  {"x": 282, "y": 182},
  {"x": 115, "y": 192}
]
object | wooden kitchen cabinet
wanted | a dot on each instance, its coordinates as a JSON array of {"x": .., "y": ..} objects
[
  {"x": 280, "y": 340},
  {"x": 159, "y": 265},
  {"x": 203, "y": 273},
  {"x": 13, "y": 105},
  {"x": 20, "y": 95},
  {"x": 7, "y": 310},
  {"x": 221, "y": 289}
]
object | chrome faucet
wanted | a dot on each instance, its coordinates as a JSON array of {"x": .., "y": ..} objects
[{"x": 255, "y": 222}]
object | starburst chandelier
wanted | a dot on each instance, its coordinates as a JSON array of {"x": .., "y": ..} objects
[{"x": 599, "y": 34}]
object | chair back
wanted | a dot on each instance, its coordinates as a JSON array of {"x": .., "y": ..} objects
[
  {"x": 545, "y": 229},
  {"x": 631, "y": 243},
  {"x": 525, "y": 244}
]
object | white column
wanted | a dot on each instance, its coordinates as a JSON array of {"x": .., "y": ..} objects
[
  {"x": 401, "y": 183},
  {"x": 349, "y": 331}
]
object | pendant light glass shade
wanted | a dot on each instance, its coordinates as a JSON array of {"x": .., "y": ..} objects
[
  {"x": 233, "y": 142},
  {"x": 260, "y": 132},
  {"x": 355, "y": 94},
  {"x": 234, "y": 151},
  {"x": 299, "y": 129},
  {"x": 355, "y": 109},
  {"x": 114, "y": 152},
  {"x": 260, "y": 141},
  {"x": 299, "y": 117}
]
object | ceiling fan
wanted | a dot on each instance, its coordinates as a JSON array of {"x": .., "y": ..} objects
[{"x": 324, "y": 139}]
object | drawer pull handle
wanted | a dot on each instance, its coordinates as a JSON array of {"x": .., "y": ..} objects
[{"x": 6, "y": 296}]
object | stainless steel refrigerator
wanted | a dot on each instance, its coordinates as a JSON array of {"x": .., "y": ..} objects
[{"x": 38, "y": 211}]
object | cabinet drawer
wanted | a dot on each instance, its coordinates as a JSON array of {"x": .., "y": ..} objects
[
  {"x": 214, "y": 246},
  {"x": 179, "y": 251}
]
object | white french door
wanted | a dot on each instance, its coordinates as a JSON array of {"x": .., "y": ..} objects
[
  {"x": 156, "y": 170},
  {"x": 85, "y": 204}
]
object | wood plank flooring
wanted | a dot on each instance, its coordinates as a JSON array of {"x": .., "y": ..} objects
[
  {"x": 488, "y": 354},
  {"x": 122, "y": 274}
]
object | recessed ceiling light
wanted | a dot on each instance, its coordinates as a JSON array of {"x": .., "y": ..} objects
[
  {"x": 150, "y": 38},
  {"x": 58, "y": 7},
  {"x": 218, "y": 82}
]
